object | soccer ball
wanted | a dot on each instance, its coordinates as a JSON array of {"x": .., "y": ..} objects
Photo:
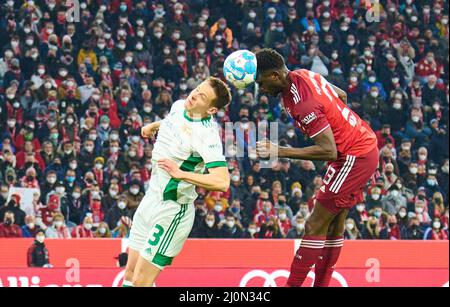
[{"x": 240, "y": 69}]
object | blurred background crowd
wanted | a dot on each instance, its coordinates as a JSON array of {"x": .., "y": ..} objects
[{"x": 73, "y": 96}]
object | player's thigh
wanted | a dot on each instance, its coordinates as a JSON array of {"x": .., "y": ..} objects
[
  {"x": 176, "y": 242},
  {"x": 172, "y": 225},
  {"x": 337, "y": 225},
  {"x": 143, "y": 222},
  {"x": 145, "y": 273},
  {"x": 319, "y": 220}
]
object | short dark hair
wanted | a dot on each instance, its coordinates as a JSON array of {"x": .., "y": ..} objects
[
  {"x": 269, "y": 59},
  {"x": 222, "y": 92}
]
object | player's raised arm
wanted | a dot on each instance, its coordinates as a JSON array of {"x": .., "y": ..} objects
[
  {"x": 150, "y": 130},
  {"x": 341, "y": 93},
  {"x": 218, "y": 178},
  {"x": 323, "y": 150}
]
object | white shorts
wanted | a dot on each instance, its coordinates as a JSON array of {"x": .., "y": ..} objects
[{"x": 160, "y": 229}]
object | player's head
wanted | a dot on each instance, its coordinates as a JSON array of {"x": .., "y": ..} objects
[
  {"x": 271, "y": 72},
  {"x": 209, "y": 97}
]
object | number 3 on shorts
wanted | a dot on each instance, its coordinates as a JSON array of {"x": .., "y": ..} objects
[{"x": 158, "y": 231}]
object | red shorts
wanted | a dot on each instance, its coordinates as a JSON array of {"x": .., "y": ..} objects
[{"x": 345, "y": 180}]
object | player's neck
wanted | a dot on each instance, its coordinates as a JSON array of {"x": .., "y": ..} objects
[
  {"x": 286, "y": 80},
  {"x": 193, "y": 116}
]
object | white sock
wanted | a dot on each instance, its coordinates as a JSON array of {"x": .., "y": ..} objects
[{"x": 127, "y": 284}]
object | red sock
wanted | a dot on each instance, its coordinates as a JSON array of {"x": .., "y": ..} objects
[
  {"x": 305, "y": 258},
  {"x": 325, "y": 266}
]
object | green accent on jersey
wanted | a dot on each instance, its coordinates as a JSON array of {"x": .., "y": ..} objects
[
  {"x": 206, "y": 119},
  {"x": 170, "y": 192},
  {"x": 169, "y": 234},
  {"x": 216, "y": 164},
  {"x": 162, "y": 260}
]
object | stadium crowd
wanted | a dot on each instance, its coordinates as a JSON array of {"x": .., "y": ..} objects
[{"x": 73, "y": 96}]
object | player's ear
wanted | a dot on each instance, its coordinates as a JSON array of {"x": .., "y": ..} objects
[
  {"x": 212, "y": 110},
  {"x": 275, "y": 75}
]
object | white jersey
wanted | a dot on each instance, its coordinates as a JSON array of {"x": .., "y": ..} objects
[{"x": 195, "y": 145}]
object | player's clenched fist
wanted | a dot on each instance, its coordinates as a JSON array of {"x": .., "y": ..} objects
[
  {"x": 266, "y": 149},
  {"x": 150, "y": 130}
]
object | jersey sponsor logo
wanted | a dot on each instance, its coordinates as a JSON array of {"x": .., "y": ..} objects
[
  {"x": 296, "y": 95},
  {"x": 214, "y": 146},
  {"x": 309, "y": 118}
]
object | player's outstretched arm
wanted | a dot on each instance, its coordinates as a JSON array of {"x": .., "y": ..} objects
[
  {"x": 218, "y": 178},
  {"x": 150, "y": 130},
  {"x": 324, "y": 150},
  {"x": 341, "y": 93}
]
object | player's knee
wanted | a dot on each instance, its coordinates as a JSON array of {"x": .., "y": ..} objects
[{"x": 129, "y": 274}]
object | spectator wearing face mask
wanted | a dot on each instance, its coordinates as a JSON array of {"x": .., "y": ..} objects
[
  {"x": 59, "y": 229},
  {"x": 416, "y": 128},
  {"x": 351, "y": 231},
  {"x": 281, "y": 204},
  {"x": 394, "y": 200},
  {"x": 270, "y": 229},
  {"x": 266, "y": 212},
  {"x": 297, "y": 230},
  {"x": 285, "y": 222},
  {"x": 30, "y": 229},
  {"x": 4, "y": 192},
  {"x": 38, "y": 255},
  {"x": 422, "y": 214},
  {"x": 84, "y": 230},
  {"x": 414, "y": 231},
  {"x": 373, "y": 230},
  {"x": 394, "y": 230},
  {"x": 14, "y": 207},
  {"x": 123, "y": 228},
  {"x": 119, "y": 209},
  {"x": 230, "y": 228},
  {"x": 134, "y": 195},
  {"x": 431, "y": 185},
  {"x": 360, "y": 215},
  {"x": 209, "y": 227},
  {"x": 102, "y": 231},
  {"x": 404, "y": 157},
  {"x": 75, "y": 205},
  {"x": 8, "y": 229},
  {"x": 374, "y": 197},
  {"x": 374, "y": 106},
  {"x": 384, "y": 135},
  {"x": 436, "y": 231}
]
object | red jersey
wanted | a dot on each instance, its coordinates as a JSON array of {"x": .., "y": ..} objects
[{"x": 316, "y": 106}]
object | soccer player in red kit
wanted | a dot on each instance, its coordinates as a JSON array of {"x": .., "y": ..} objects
[{"x": 341, "y": 138}]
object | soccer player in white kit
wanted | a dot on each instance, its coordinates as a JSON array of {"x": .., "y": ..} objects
[{"x": 188, "y": 143}]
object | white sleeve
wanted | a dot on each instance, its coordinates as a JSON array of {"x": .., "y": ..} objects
[{"x": 208, "y": 145}]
